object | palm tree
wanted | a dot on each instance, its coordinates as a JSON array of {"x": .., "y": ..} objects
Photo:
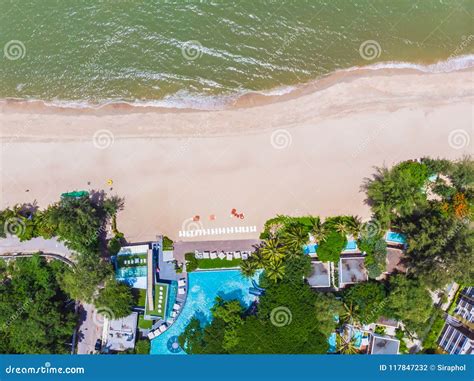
[
  {"x": 248, "y": 267},
  {"x": 350, "y": 314},
  {"x": 275, "y": 271},
  {"x": 345, "y": 345},
  {"x": 272, "y": 250},
  {"x": 318, "y": 231},
  {"x": 353, "y": 225},
  {"x": 295, "y": 237}
]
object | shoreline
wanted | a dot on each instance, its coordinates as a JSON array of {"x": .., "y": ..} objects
[
  {"x": 305, "y": 155},
  {"x": 246, "y": 99}
]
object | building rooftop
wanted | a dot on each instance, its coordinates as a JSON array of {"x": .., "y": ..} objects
[
  {"x": 394, "y": 261},
  {"x": 352, "y": 270},
  {"x": 384, "y": 345},
  {"x": 320, "y": 276},
  {"x": 121, "y": 334}
]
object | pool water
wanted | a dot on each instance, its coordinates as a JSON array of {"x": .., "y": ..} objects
[
  {"x": 131, "y": 272},
  {"x": 172, "y": 291},
  {"x": 310, "y": 249},
  {"x": 395, "y": 237},
  {"x": 203, "y": 288},
  {"x": 332, "y": 343},
  {"x": 351, "y": 245}
]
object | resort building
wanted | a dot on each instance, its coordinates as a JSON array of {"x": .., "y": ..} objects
[
  {"x": 121, "y": 333},
  {"x": 383, "y": 345},
  {"x": 352, "y": 270},
  {"x": 457, "y": 336},
  {"x": 320, "y": 274}
]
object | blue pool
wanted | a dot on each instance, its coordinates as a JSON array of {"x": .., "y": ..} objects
[
  {"x": 395, "y": 237},
  {"x": 310, "y": 249},
  {"x": 351, "y": 245},
  {"x": 203, "y": 287},
  {"x": 332, "y": 343}
]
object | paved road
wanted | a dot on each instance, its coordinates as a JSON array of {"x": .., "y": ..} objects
[
  {"x": 11, "y": 244},
  {"x": 89, "y": 330}
]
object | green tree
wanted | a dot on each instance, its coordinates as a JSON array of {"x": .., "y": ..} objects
[
  {"x": 368, "y": 300},
  {"x": 398, "y": 191},
  {"x": 294, "y": 238},
  {"x": 275, "y": 270},
  {"x": 272, "y": 250},
  {"x": 35, "y": 314},
  {"x": 410, "y": 302},
  {"x": 330, "y": 249},
  {"x": 248, "y": 267},
  {"x": 117, "y": 297}
]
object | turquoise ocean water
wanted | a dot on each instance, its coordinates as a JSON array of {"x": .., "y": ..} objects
[{"x": 204, "y": 53}]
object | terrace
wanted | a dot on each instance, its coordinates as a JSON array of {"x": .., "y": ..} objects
[
  {"x": 121, "y": 333},
  {"x": 352, "y": 270},
  {"x": 381, "y": 345},
  {"x": 320, "y": 275}
]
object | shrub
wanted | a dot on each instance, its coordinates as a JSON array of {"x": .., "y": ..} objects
[
  {"x": 191, "y": 262},
  {"x": 330, "y": 249}
]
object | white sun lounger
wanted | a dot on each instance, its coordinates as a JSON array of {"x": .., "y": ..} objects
[
  {"x": 245, "y": 256},
  {"x": 176, "y": 306},
  {"x": 181, "y": 291},
  {"x": 221, "y": 255},
  {"x": 205, "y": 255},
  {"x": 229, "y": 256},
  {"x": 237, "y": 254},
  {"x": 173, "y": 314},
  {"x": 213, "y": 255},
  {"x": 162, "y": 328},
  {"x": 181, "y": 282}
]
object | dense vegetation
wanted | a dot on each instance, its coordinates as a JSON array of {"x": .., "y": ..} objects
[
  {"x": 81, "y": 223},
  {"x": 36, "y": 316}
]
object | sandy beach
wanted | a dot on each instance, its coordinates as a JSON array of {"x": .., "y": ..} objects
[{"x": 307, "y": 152}]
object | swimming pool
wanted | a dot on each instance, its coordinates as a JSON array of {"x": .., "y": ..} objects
[
  {"x": 351, "y": 245},
  {"x": 203, "y": 287},
  {"x": 131, "y": 272},
  {"x": 395, "y": 237},
  {"x": 332, "y": 343},
  {"x": 310, "y": 249}
]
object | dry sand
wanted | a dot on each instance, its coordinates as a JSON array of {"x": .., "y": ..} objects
[{"x": 301, "y": 154}]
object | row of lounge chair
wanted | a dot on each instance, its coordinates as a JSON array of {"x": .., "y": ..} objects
[
  {"x": 135, "y": 261},
  {"x": 214, "y": 231},
  {"x": 228, "y": 255},
  {"x": 163, "y": 327},
  {"x": 182, "y": 286}
]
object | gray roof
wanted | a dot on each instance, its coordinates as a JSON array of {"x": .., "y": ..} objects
[
  {"x": 352, "y": 270},
  {"x": 384, "y": 346},
  {"x": 319, "y": 275},
  {"x": 121, "y": 334}
]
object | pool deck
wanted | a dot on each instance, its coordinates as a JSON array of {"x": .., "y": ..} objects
[{"x": 181, "y": 247}]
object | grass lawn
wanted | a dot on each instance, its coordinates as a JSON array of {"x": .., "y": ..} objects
[
  {"x": 144, "y": 324},
  {"x": 218, "y": 263},
  {"x": 132, "y": 257},
  {"x": 139, "y": 294},
  {"x": 430, "y": 342},
  {"x": 159, "y": 305}
]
